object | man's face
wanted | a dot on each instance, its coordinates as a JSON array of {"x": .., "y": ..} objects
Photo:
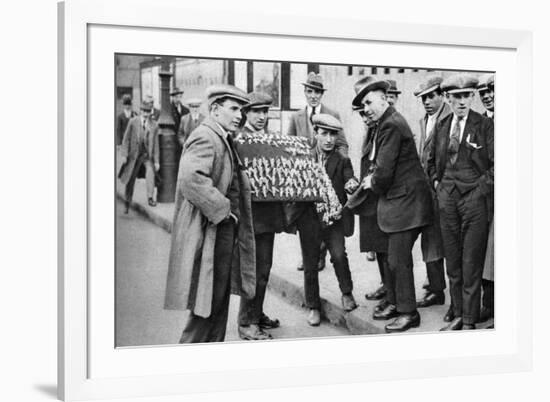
[
  {"x": 257, "y": 117},
  {"x": 488, "y": 99},
  {"x": 432, "y": 102},
  {"x": 391, "y": 98},
  {"x": 313, "y": 96},
  {"x": 326, "y": 139},
  {"x": 177, "y": 98},
  {"x": 227, "y": 114},
  {"x": 194, "y": 109},
  {"x": 146, "y": 113},
  {"x": 368, "y": 122},
  {"x": 374, "y": 105},
  {"x": 460, "y": 102}
]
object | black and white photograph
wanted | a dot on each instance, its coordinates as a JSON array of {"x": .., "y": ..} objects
[{"x": 263, "y": 200}]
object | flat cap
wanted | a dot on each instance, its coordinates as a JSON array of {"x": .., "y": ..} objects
[
  {"x": 258, "y": 100},
  {"x": 491, "y": 82},
  {"x": 429, "y": 85},
  {"x": 146, "y": 104},
  {"x": 314, "y": 81},
  {"x": 193, "y": 102},
  {"x": 367, "y": 85},
  {"x": 220, "y": 91},
  {"x": 461, "y": 82},
  {"x": 327, "y": 121},
  {"x": 176, "y": 91},
  {"x": 393, "y": 88},
  {"x": 483, "y": 83}
]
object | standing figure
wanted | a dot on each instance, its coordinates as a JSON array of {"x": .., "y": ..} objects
[
  {"x": 404, "y": 203},
  {"x": 177, "y": 108},
  {"x": 393, "y": 93},
  {"x": 124, "y": 117},
  {"x": 433, "y": 100},
  {"x": 461, "y": 168},
  {"x": 191, "y": 120},
  {"x": 268, "y": 219},
  {"x": 140, "y": 146},
  {"x": 212, "y": 249}
]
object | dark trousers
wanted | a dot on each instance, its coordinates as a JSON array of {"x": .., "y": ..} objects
[
  {"x": 309, "y": 229},
  {"x": 488, "y": 294},
  {"x": 251, "y": 310},
  {"x": 399, "y": 274},
  {"x": 149, "y": 178},
  {"x": 382, "y": 260},
  {"x": 464, "y": 226},
  {"x": 436, "y": 275},
  {"x": 335, "y": 241},
  {"x": 212, "y": 329}
]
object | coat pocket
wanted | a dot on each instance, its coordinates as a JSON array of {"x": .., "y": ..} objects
[{"x": 396, "y": 192}]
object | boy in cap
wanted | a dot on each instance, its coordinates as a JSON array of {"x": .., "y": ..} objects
[
  {"x": 268, "y": 219},
  {"x": 461, "y": 168},
  {"x": 340, "y": 172},
  {"x": 404, "y": 203},
  {"x": 429, "y": 92},
  {"x": 139, "y": 147},
  {"x": 212, "y": 223},
  {"x": 177, "y": 108},
  {"x": 191, "y": 120},
  {"x": 485, "y": 89},
  {"x": 124, "y": 117}
]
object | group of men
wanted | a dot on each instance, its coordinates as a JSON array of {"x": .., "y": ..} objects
[{"x": 438, "y": 185}]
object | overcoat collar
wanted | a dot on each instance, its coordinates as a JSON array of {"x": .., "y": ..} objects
[{"x": 214, "y": 126}]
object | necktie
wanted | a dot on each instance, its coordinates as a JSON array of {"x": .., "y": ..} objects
[
  {"x": 454, "y": 142},
  {"x": 311, "y": 116}
]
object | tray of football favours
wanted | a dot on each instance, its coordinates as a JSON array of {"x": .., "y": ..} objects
[{"x": 283, "y": 168}]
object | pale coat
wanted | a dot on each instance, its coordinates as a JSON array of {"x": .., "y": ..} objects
[
  {"x": 130, "y": 145},
  {"x": 204, "y": 178}
]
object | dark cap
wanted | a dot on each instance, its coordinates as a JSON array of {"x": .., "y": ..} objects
[
  {"x": 127, "y": 99},
  {"x": 393, "y": 88},
  {"x": 370, "y": 84},
  {"x": 176, "y": 91},
  {"x": 314, "y": 81},
  {"x": 220, "y": 91},
  {"x": 258, "y": 100},
  {"x": 483, "y": 83}
]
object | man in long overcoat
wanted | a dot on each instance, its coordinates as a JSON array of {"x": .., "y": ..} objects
[
  {"x": 140, "y": 146},
  {"x": 433, "y": 100},
  {"x": 404, "y": 204},
  {"x": 461, "y": 168},
  {"x": 213, "y": 247}
]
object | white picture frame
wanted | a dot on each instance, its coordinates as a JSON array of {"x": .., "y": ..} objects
[{"x": 79, "y": 379}]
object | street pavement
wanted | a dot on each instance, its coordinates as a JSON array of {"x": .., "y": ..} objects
[{"x": 141, "y": 265}]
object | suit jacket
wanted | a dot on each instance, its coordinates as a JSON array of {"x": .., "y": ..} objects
[
  {"x": 204, "y": 178},
  {"x": 405, "y": 200},
  {"x": 121, "y": 124},
  {"x": 187, "y": 125},
  {"x": 426, "y": 138},
  {"x": 301, "y": 126},
  {"x": 340, "y": 170},
  {"x": 177, "y": 114},
  {"x": 130, "y": 145},
  {"x": 480, "y": 130}
]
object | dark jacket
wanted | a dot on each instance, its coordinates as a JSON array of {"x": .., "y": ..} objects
[
  {"x": 177, "y": 114},
  {"x": 405, "y": 200}
]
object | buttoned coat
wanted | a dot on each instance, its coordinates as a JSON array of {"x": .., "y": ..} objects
[
  {"x": 204, "y": 178},
  {"x": 405, "y": 200},
  {"x": 301, "y": 126},
  {"x": 130, "y": 145},
  {"x": 426, "y": 138}
]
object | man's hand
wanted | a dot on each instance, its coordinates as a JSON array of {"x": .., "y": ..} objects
[
  {"x": 367, "y": 182},
  {"x": 157, "y": 167},
  {"x": 351, "y": 185}
]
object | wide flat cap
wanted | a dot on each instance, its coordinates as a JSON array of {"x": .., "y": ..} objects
[
  {"x": 461, "y": 82},
  {"x": 314, "y": 81},
  {"x": 176, "y": 91},
  {"x": 220, "y": 91},
  {"x": 369, "y": 84},
  {"x": 393, "y": 88},
  {"x": 326, "y": 121},
  {"x": 429, "y": 85},
  {"x": 258, "y": 100},
  {"x": 483, "y": 83},
  {"x": 193, "y": 102}
]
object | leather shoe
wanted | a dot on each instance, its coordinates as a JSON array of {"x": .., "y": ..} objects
[
  {"x": 431, "y": 298},
  {"x": 377, "y": 294},
  {"x": 268, "y": 323},
  {"x": 152, "y": 202},
  {"x": 253, "y": 333},
  {"x": 486, "y": 314},
  {"x": 300, "y": 267},
  {"x": 468, "y": 327},
  {"x": 389, "y": 312},
  {"x": 449, "y": 315},
  {"x": 348, "y": 302},
  {"x": 314, "y": 317},
  {"x": 381, "y": 305},
  {"x": 404, "y": 322},
  {"x": 426, "y": 284},
  {"x": 454, "y": 325}
]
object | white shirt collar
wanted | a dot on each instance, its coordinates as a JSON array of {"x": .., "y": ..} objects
[
  {"x": 309, "y": 109},
  {"x": 490, "y": 113}
]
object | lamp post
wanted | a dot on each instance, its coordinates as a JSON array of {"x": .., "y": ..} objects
[{"x": 167, "y": 141}]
